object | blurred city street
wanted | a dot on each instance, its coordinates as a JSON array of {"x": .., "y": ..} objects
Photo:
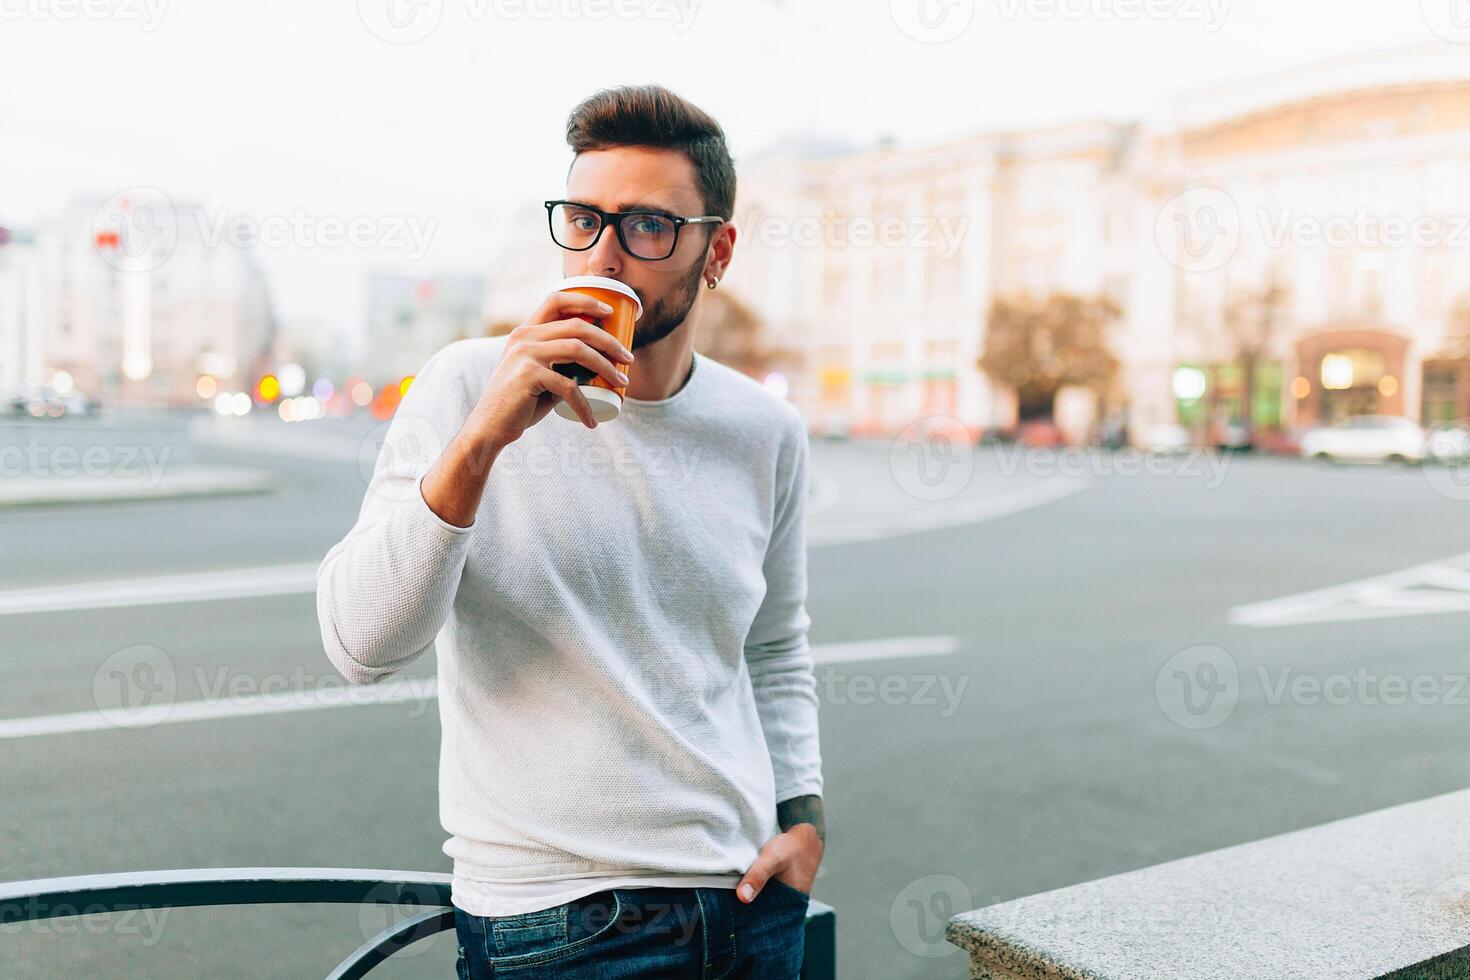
[
  {"x": 1037, "y": 667},
  {"x": 1136, "y": 380}
]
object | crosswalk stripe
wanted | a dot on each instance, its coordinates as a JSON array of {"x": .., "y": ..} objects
[{"x": 1436, "y": 587}]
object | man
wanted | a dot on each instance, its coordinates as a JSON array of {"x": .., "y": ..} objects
[{"x": 626, "y": 692}]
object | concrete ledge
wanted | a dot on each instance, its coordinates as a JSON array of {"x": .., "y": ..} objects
[
  {"x": 1382, "y": 894},
  {"x": 174, "y": 481}
]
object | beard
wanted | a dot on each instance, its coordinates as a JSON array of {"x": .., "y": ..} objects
[{"x": 665, "y": 315}]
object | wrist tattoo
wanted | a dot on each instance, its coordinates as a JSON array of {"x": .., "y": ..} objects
[{"x": 803, "y": 809}]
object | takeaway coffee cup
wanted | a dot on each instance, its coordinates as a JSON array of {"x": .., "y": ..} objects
[{"x": 605, "y": 401}]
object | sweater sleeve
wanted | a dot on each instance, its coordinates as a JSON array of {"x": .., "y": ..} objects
[
  {"x": 386, "y": 589},
  {"x": 776, "y": 649}
]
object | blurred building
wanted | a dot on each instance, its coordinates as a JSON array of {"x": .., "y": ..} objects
[
  {"x": 134, "y": 300},
  {"x": 22, "y": 350},
  {"x": 880, "y": 265},
  {"x": 526, "y": 267},
  {"x": 1348, "y": 183},
  {"x": 409, "y": 318}
]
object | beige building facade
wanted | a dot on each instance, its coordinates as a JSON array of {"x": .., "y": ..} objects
[{"x": 1343, "y": 185}]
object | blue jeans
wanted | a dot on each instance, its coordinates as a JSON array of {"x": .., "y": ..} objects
[{"x": 659, "y": 932}]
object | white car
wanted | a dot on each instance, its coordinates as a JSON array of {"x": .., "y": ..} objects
[
  {"x": 1167, "y": 438},
  {"x": 1447, "y": 444},
  {"x": 836, "y": 425},
  {"x": 1367, "y": 439}
]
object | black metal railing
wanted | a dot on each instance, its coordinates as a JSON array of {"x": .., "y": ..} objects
[{"x": 49, "y": 898}]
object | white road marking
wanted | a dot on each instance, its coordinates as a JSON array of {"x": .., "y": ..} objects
[
  {"x": 295, "y": 579},
  {"x": 234, "y": 583},
  {"x": 904, "y": 646},
  {"x": 919, "y": 516},
  {"x": 1436, "y": 587},
  {"x": 178, "y": 481},
  {"x": 399, "y": 691},
  {"x": 412, "y": 690},
  {"x": 824, "y": 493}
]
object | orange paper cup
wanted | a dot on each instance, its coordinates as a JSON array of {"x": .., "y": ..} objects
[{"x": 605, "y": 400}]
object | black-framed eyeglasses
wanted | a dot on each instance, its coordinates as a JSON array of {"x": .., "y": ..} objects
[{"x": 648, "y": 235}]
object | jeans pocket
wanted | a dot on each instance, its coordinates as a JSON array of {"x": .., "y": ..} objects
[
  {"x": 791, "y": 889},
  {"x": 535, "y": 938}
]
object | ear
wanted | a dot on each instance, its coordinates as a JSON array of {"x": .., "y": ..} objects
[{"x": 721, "y": 251}]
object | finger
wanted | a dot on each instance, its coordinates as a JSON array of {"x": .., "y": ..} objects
[
  {"x": 603, "y": 340},
  {"x": 589, "y": 333},
  {"x": 569, "y": 391},
  {"x": 561, "y": 304},
  {"x": 755, "y": 879},
  {"x": 570, "y": 349}
]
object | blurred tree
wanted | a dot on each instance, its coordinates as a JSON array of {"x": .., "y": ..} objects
[
  {"x": 1251, "y": 321},
  {"x": 1039, "y": 346},
  {"x": 730, "y": 332}
]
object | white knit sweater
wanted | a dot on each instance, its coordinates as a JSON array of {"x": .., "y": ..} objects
[{"x": 625, "y": 683}]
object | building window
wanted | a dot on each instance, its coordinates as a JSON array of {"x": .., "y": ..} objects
[
  {"x": 1435, "y": 281},
  {"x": 1441, "y": 398},
  {"x": 1225, "y": 402},
  {"x": 834, "y": 278},
  {"x": 888, "y": 279},
  {"x": 944, "y": 279}
]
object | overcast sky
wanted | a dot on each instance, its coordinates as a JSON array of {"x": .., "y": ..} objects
[{"x": 452, "y": 111}]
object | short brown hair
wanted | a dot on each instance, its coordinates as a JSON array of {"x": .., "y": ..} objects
[{"x": 652, "y": 116}]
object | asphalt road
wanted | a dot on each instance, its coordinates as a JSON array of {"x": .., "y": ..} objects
[{"x": 1104, "y": 706}]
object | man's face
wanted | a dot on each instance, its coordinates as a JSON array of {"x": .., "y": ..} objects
[{"x": 626, "y": 179}]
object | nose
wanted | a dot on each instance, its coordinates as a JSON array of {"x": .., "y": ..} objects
[{"x": 606, "y": 257}]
